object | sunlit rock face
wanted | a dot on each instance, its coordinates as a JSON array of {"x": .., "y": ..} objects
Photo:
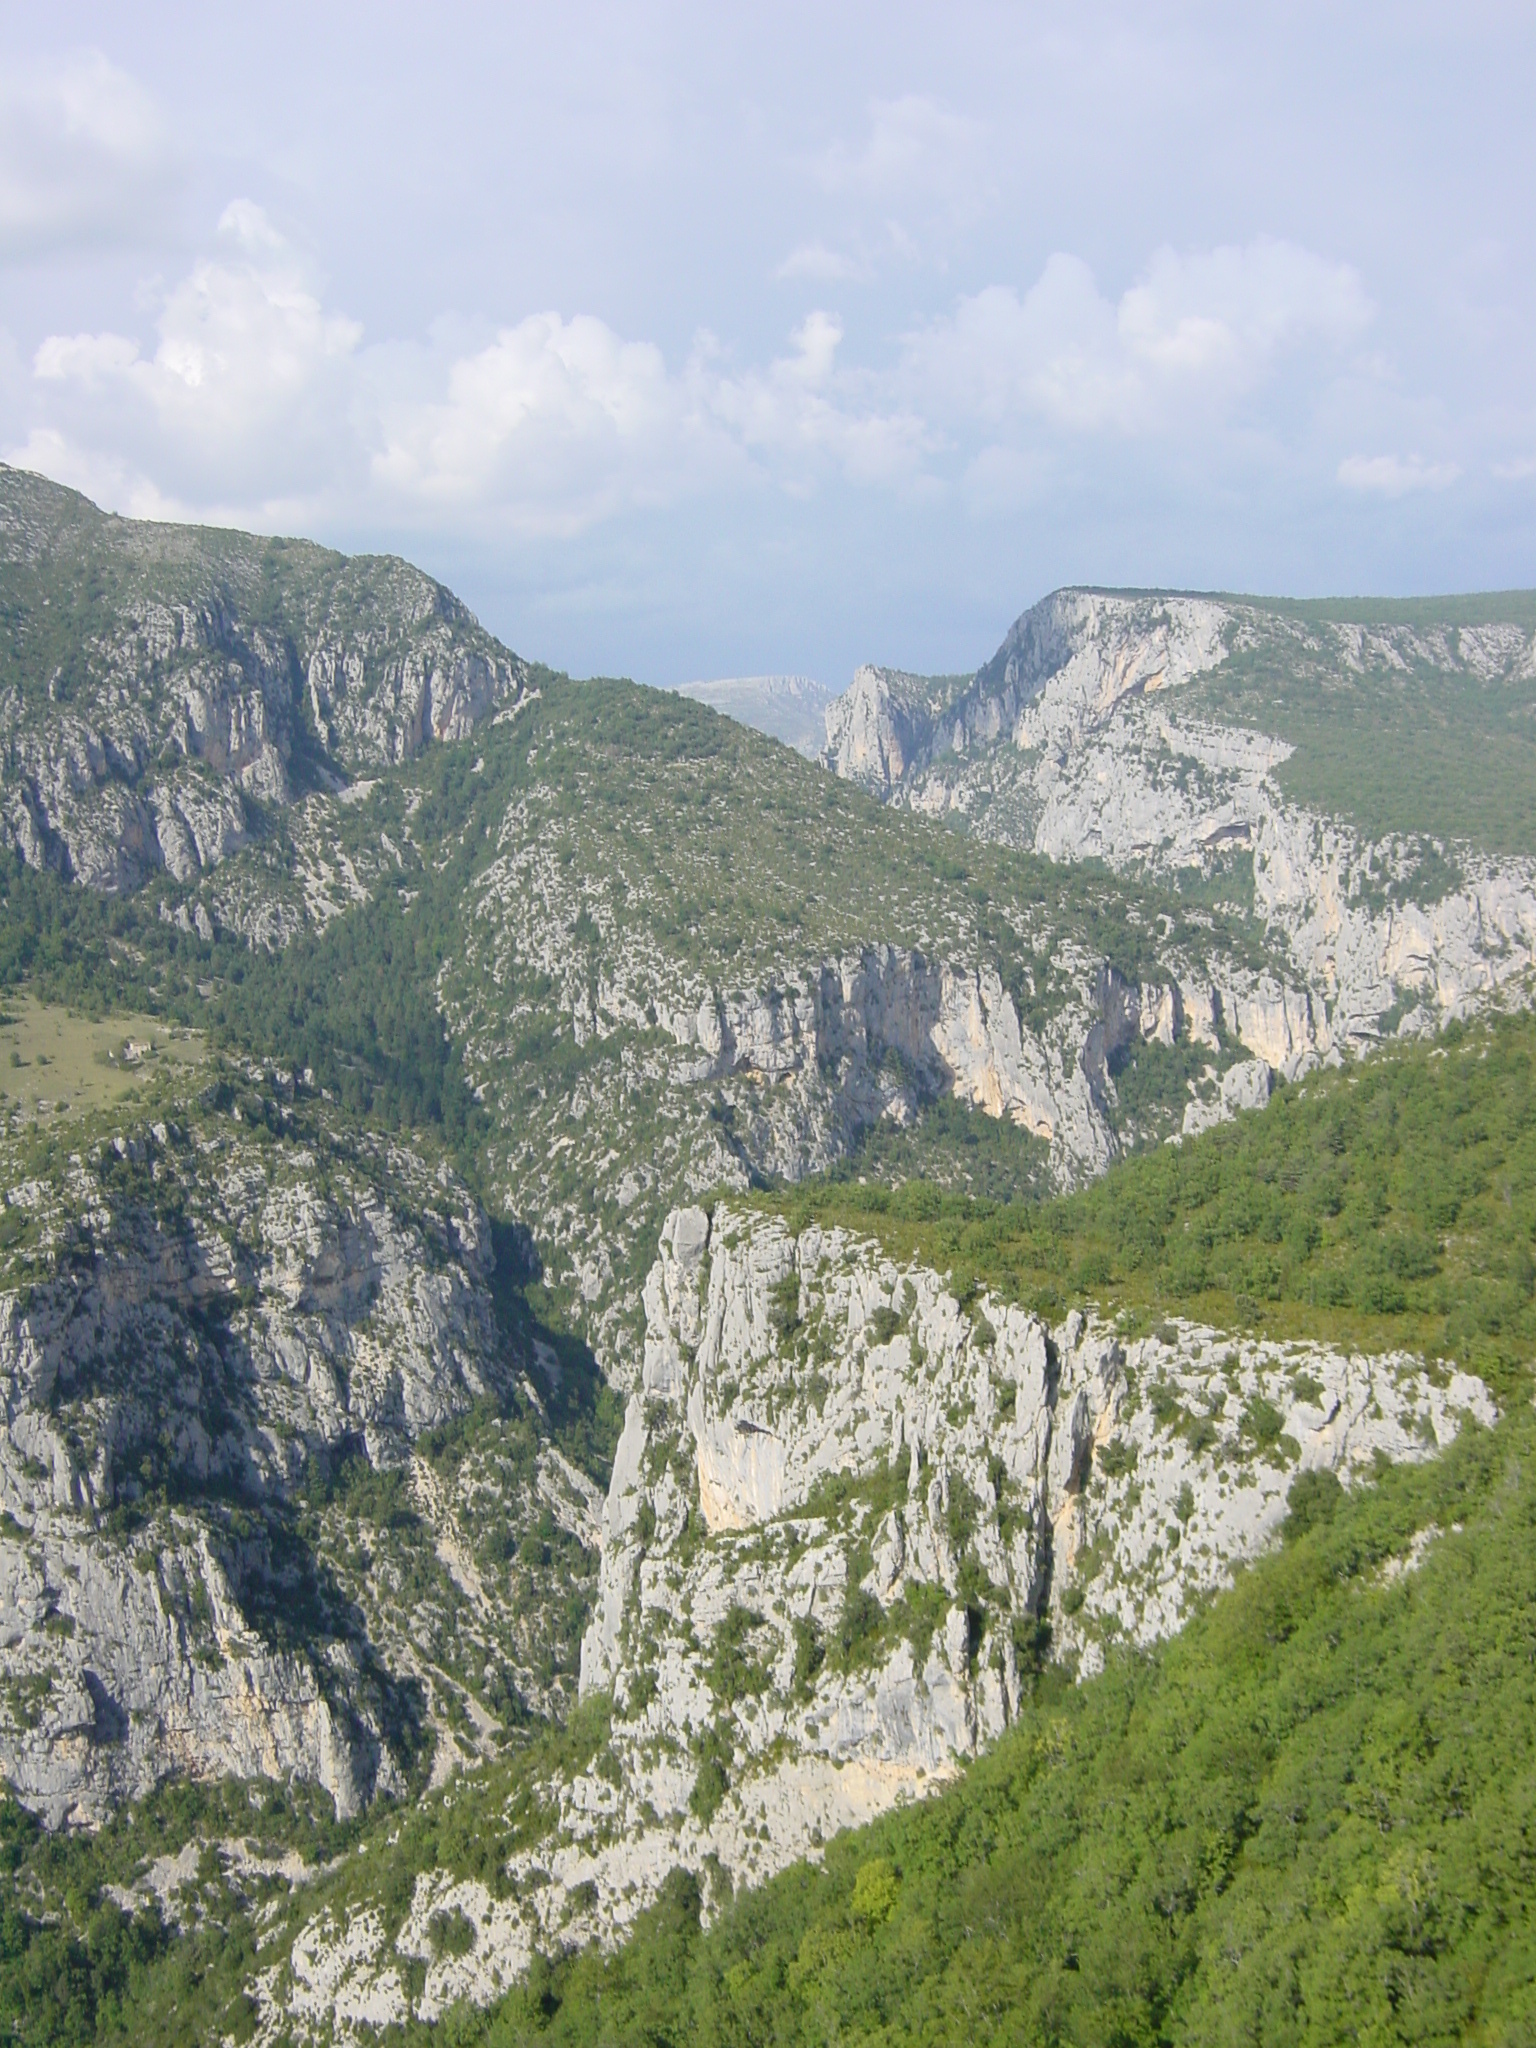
[
  {"x": 1072, "y": 741},
  {"x": 842, "y": 1511}
]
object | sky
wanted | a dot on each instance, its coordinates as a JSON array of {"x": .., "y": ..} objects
[{"x": 706, "y": 340}]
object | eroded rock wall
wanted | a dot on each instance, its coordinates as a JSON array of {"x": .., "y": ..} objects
[
  {"x": 1070, "y": 742},
  {"x": 842, "y": 1508},
  {"x": 217, "y": 1326}
]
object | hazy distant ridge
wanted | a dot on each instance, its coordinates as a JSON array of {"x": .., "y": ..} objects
[{"x": 787, "y": 708}]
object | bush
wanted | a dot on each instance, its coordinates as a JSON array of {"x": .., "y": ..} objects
[{"x": 1313, "y": 1502}]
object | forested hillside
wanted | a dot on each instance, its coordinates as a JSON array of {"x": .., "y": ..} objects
[
  {"x": 649, "y": 1395},
  {"x": 1392, "y": 1203},
  {"x": 1312, "y": 1803},
  {"x": 1309, "y": 1819}
]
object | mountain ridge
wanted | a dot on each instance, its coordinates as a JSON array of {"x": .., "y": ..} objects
[{"x": 655, "y": 1313}]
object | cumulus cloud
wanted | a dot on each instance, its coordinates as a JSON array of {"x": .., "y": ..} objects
[
  {"x": 1394, "y": 476},
  {"x": 106, "y": 477},
  {"x": 83, "y": 155},
  {"x": 1187, "y": 341},
  {"x": 800, "y": 413},
  {"x": 559, "y": 424},
  {"x": 555, "y": 425},
  {"x": 254, "y": 399},
  {"x": 258, "y": 401},
  {"x": 245, "y": 397}
]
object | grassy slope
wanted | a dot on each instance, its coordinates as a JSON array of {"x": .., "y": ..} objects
[
  {"x": 1462, "y": 763},
  {"x": 51, "y": 1056},
  {"x": 1392, "y": 1203}
]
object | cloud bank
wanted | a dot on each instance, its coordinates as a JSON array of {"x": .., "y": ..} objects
[
  {"x": 255, "y": 398},
  {"x": 717, "y": 341}
]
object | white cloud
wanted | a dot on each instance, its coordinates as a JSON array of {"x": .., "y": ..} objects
[
  {"x": 803, "y": 416},
  {"x": 83, "y": 155},
  {"x": 1394, "y": 476},
  {"x": 555, "y": 425},
  {"x": 257, "y": 401},
  {"x": 245, "y": 397},
  {"x": 1195, "y": 335},
  {"x": 559, "y": 424},
  {"x": 253, "y": 399},
  {"x": 103, "y": 476},
  {"x": 88, "y": 359}
]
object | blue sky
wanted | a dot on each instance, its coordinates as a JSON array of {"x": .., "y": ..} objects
[{"x": 689, "y": 341}]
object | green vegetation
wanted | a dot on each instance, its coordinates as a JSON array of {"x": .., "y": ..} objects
[
  {"x": 1309, "y": 1818},
  {"x": 1462, "y": 763},
  {"x": 395, "y": 1006},
  {"x": 953, "y": 1147},
  {"x": 52, "y": 1060},
  {"x": 1392, "y": 1203},
  {"x": 73, "y": 576}
]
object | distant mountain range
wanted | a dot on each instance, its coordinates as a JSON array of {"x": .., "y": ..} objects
[{"x": 788, "y": 708}]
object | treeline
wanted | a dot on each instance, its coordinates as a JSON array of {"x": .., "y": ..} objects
[
  {"x": 355, "y": 1004},
  {"x": 96, "y": 953},
  {"x": 1310, "y": 1818},
  {"x": 1392, "y": 1202}
]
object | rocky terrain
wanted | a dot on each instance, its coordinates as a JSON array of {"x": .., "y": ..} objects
[
  {"x": 654, "y": 987},
  {"x": 268, "y": 1449},
  {"x": 1088, "y": 736},
  {"x": 841, "y": 1510},
  {"x": 429, "y": 1391},
  {"x": 165, "y": 689}
]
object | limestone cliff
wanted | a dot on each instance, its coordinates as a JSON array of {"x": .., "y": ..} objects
[
  {"x": 1071, "y": 741},
  {"x": 214, "y": 1342},
  {"x": 166, "y": 687},
  {"x": 842, "y": 1508}
]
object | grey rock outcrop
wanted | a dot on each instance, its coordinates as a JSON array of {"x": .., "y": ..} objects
[
  {"x": 212, "y": 1322},
  {"x": 224, "y": 673},
  {"x": 841, "y": 1504},
  {"x": 1069, "y": 741}
]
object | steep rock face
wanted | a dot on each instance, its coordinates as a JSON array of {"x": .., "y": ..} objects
[
  {"x": 1064, "y": 668},
  {"x": 880, "y": 727},
  {"x": 777, "y": 1370},
  {"x": 165, "y": 684},
  {"x": 1067, "y": 742},
  {"x": 951, "y": 1028},
  {"x": 121, "y": 1670},
  {"x": 215, "y": 1324},
  {"x": 783, "y": 1070},
  {"x": 841, "y": 1509}
]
